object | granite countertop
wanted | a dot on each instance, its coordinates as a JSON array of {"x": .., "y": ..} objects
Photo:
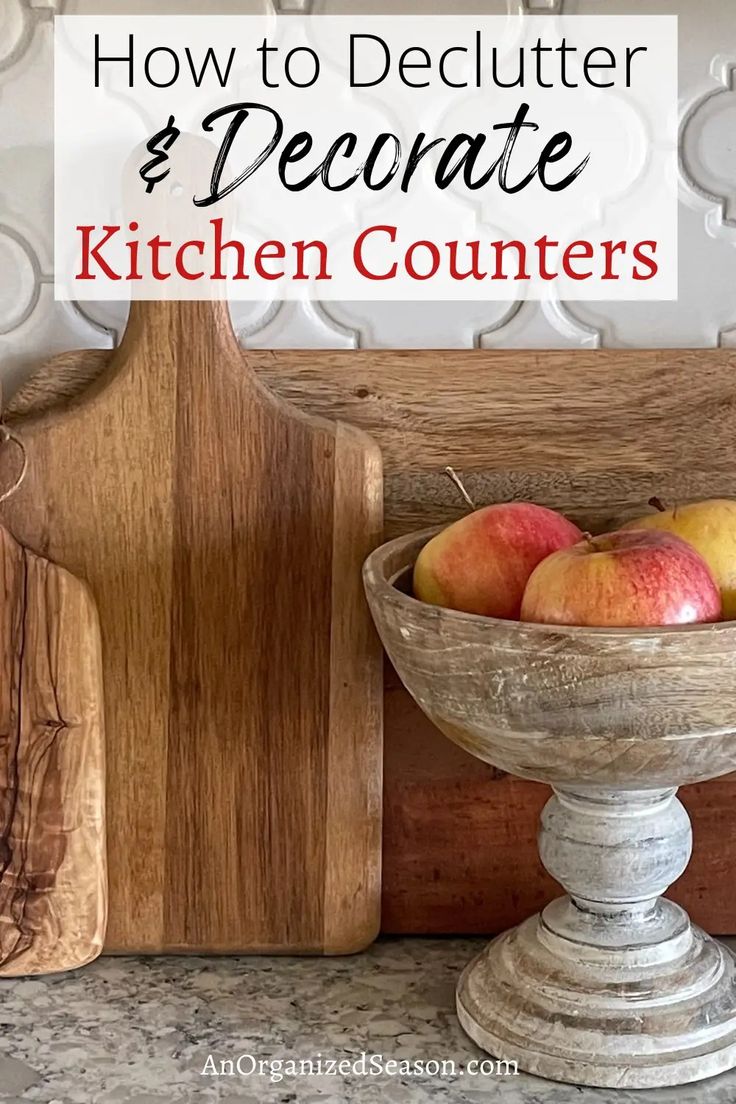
[{"x": 141, "y": 1030}]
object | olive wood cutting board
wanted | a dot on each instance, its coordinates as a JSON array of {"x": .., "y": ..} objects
[
  {"x": 593, "y": 432},
  {"x": 222, "y": 533},
  {"x": 53, "y": 893}
]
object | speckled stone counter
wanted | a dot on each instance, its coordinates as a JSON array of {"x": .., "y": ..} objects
[{"x": 152, "y": 1031}]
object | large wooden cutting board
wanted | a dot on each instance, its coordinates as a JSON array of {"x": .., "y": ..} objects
[
  {"x": 595, "y": 433},
  {"x": 222, "y": 533}
]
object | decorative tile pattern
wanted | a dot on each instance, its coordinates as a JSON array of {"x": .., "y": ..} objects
[
  {"x": 21, "y": 277},
  {"x": 299, "y": 325},
  {"x": 416, "y": 325},
  {"x": 546, "y": 324},
  {"x": 14, "y": 30},
  {"x": 32, "y": 325},
  {"x": 707, "y": 153}
]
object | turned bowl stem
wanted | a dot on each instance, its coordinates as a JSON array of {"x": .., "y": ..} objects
[{"x": 612, "y": 850}]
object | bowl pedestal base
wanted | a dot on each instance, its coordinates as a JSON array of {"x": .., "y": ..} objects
[{"x": 611, "y": 985}]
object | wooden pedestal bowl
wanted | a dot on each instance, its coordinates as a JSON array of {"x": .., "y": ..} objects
[{"x": 611, "y": 985}]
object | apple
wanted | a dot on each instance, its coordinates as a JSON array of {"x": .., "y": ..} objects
[
  {"x": 710, "y": 527},
  {"x": 481, "y": 563},
  {"x": 629, "y": 578}
]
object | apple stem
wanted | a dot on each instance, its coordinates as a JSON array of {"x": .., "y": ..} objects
[
  {"x": 588, "y": 538},
  {"x": 460, "y": 486},
  {"x": 658, "y": 504}
]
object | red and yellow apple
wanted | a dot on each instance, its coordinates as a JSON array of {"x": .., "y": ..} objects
[
  {"x": 710, "y": 527},
  {"x": 481, "y": 563},
  {"x": 629, "y": 578}
]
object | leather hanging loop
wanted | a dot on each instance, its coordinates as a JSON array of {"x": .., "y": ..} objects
[{"x": 6, "y": 437}]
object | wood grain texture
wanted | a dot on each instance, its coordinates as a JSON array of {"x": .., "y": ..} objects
[
  {"x": 592, "y": 432},
  {"x": 53, "y": 891},
  {"x": 222, "y": 533},
  {"x": 573, "y": 707}
]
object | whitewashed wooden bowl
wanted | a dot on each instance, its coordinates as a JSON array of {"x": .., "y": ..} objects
[{"x": 610, "y": 985}]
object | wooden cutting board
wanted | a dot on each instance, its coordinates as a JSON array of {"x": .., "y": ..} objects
[
  {"x": 53, "y": 892},
  {"x": 222, "y": 533},
  {"x": 592, "y": 432}
]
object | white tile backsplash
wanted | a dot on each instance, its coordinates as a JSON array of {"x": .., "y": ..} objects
[{"x": 33, "y": 326}]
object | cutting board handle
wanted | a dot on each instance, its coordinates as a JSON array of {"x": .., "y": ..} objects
[{"x": 156, "y": 321}]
